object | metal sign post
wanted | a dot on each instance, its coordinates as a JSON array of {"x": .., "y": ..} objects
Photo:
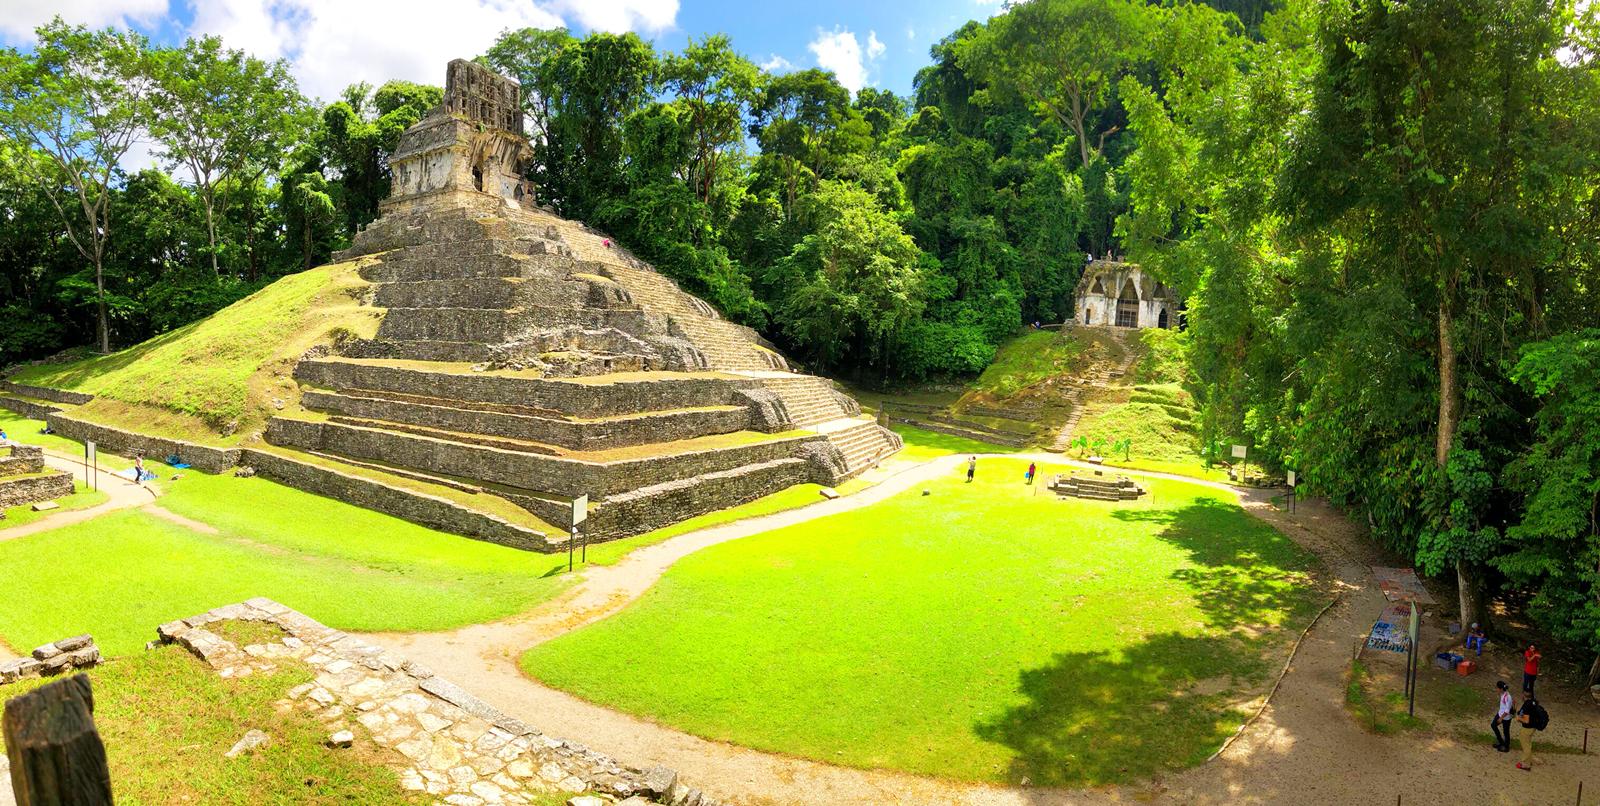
[
  {"x": 1411, "y": 651},
  {"x": 91, "y": 454},
  {"x": 580, "y": 513},
  {"x": 1291, "y": 490},
  {"x": 1241, "y": 453}
]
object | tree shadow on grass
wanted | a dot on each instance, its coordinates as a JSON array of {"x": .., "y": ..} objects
[{"x": 1096, "y": 718}]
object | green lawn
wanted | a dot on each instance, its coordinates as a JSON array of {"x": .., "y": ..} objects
[
  {"x": 984, "y": 632},
  {"x": 83, "y": 498},
  {"x": 348, "y": 567}
]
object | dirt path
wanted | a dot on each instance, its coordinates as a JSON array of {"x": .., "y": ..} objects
[
  {"x": 1303, "y": 749},
  {"x": 123, "y": 494}
]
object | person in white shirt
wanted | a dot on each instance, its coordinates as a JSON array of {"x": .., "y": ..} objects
[{"x": 1502, "y": 719}]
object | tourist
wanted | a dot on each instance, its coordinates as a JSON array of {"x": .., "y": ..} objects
[
  {"x": 972, "y": 468},
  {"x": 1533, "y": 718},
  {"x": 4, "y": 440},
  {"x": 1028, "y": 477},
  {"x": 1530, "y": 669},
  {"x": 138, "y": 468},
  {"x": 1501, "y": 724},
  {"x": 1476, "y": 638}
]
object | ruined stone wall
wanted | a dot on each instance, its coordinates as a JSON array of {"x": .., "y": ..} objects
[
  {"x": 516, "y": 469},
  {"x": 21, "y": 460},
  {"x": 416, "y": 507},
  {"x": 44, "y": 393},
  {"x": 130, "y": 443},
  {"x": 448, "y": 743},
  {"x": 27, "y": 408},
  {"x": 16, "y": 491},
  {"x": 576, "y": 435},
  {"x": 651, "y": 508},
  {"x": 572, "y": 398},
  {"x": 78, "y": 652}
]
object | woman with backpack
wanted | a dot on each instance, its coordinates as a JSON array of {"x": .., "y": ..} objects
[{"x": 1533, "y": 718}]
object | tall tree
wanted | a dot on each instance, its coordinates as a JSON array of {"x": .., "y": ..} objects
[
  {"x": 717, "y": 87},
  {"x": 80, "y": 100},
  {"x": 221, "y": 115}
]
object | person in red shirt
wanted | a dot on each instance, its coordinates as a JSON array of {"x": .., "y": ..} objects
[{"x": 1530, "y": 668}]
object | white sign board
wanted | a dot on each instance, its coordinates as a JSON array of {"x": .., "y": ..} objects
[
  {"x": 89, "y": 451},
  {"x": 580, "y": 509},
  {"x": 1238, "y": 451},
  {"x": 1291, "y": 478}
]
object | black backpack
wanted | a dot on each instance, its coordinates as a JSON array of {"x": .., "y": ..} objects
[{"x": 1538, "y": 718}]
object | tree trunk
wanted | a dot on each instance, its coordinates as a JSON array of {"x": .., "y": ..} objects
[
  {"x": 211, "y": 235},
  {"x": 305, "y": 227},
  {"x": 1469, "y": 583},
  {"x": 250, "y": 237},
  {"x": 101, "y": 327}
]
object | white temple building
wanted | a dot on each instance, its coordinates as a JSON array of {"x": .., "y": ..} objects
[{"x": 1117, "y": 294}]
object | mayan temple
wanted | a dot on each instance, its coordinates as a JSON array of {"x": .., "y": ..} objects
[{"x": 526, "y": 357}]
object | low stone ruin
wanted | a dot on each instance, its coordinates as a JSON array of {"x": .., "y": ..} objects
[
  {"x": 25, "y": 480},
  {"x": 1096, "y": 487},
  {"x": 455, "y": 747},
  {"x": 77, "y": 652}
]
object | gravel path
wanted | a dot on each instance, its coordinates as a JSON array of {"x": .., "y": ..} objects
[{"x": 124, "y": 495}]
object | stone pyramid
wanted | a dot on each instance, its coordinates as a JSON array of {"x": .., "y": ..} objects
[{"x": 526, "y": 357}]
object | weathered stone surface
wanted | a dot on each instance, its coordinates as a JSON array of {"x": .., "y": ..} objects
[
  {"x": 341, "y": 738},
  {"x": 75, "y": 642},
  {"x": 249, "y": 743},
  {"x": 45, "y": 652}
]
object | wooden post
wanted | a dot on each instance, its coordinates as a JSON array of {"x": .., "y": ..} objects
[{"x": 56, "y": 755}]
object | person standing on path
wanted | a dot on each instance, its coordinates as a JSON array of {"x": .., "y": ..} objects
[
  {"x": 1530, "y": 669},
  {"x": 1533, "y": 718},
  {"x": 972, "y": 467},
  {"x": 1501, "y": 724}
]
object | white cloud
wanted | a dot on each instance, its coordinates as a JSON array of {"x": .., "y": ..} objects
[
  {"x": 332, "y": 45},
  {"x": 777, "y": 64},
  {"x": 840, "y": 51},
  {"x": 617, "y": 16},
  {"x": 911, "y": 33},
  {"x": 18, "y": 18}
]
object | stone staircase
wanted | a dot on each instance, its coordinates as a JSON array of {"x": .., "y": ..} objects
[
  {"x": 809, "y": 400},
  {"x": 1097, "y": 489},
  {"x": 862, "y": 443}
]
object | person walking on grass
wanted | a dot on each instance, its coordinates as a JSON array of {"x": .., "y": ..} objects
[
  {"x": 972, "y": 468},
  {"x": 1530, "y": 669},
  {"x": 1533, "y": 718},
  {"x": 1027, "y": 478},
  {"x": 1501, "y": 724}
]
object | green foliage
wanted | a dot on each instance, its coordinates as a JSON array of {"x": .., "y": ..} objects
[
  {"x": 1146, "y": 603},
  {"x": 1030, "y": 358}
]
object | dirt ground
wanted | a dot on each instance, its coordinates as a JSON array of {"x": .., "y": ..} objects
[{"x": 1305, "y": 748}]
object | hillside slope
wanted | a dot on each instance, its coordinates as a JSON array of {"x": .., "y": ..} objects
[{"x": 219, "y": 379}]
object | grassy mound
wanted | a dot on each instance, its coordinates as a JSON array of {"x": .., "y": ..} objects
[
  {"x": 981, "y": 632},
  {"x": 1029, "y": 359},
  {"x": 221, "y": 374}
]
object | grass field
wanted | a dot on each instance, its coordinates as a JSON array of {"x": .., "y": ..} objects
[
  {"x": 982, "y": 632},
  {"x": 348, "y": 567},
  {"x": 922, "y": 445},
  {"x": 82, "y": 498},
  {"x": 1028, "y": 359},
  {"x": 167, "y": 719}
]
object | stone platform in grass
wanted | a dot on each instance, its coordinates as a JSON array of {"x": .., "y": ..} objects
[
  {"x": 1096, "y": 488},
  {"x": 449, "y": 744},
  {"x": 77, "y": 652},
  {"x": 528, "y": 358},
  {"x": 25, "y": 480}
]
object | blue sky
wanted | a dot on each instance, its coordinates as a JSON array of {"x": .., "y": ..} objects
[{"x": 332, "y": 43}]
